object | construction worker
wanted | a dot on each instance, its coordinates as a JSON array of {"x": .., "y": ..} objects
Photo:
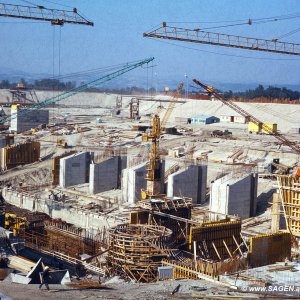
[{"x": 45, "y": 275}]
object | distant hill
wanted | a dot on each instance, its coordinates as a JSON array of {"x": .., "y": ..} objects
[{"x": 129, "y": 80}]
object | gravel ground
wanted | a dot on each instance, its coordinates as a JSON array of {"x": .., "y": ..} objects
[{"x": 119, "y": 290}]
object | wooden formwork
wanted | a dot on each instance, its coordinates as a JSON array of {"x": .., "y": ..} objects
[
  {"x": 137, "y": 250},
  {"x": 19, "y": 154},
  {"x": 216, "y": 240},
  {"x": 205, "y": 269},
  {"x": 63, "y": 238},
  {"x": 173, "y": 213},
  {"x": 289, "y": 193},
  {"x": 268, "y": 249},
  {"x": 70, "y": 240}
]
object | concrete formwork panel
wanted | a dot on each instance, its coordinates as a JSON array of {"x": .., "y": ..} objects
[
  {"x": 267, "y": 249},
  {"x": 289, "y": 191},
  {"x": 190, "y": 182},
  {"x": 216, "y": 234},
  {"x": 234, "y": 195},
  {"x": 19, "y": 154},
  {"x": 74, "y": 169}
]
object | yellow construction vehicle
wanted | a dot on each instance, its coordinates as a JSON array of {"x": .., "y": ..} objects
[
  {"x": 62, "y": 143},
  {"x": 14, "y": 223}
]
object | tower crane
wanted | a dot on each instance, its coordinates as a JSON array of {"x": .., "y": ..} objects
[
  {"x": 153, "y": 175},
  {"x": 121, "y": 70},
  {"x": 225, "y": 40},
  {"x": 41, "y": 13},
  {"x": 247, "y": 115}
]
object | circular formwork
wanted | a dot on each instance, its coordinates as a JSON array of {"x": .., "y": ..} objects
[{"x": 137, "y": 250}]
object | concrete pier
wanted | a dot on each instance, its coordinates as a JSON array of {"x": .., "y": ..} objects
[
  {"x": 235, "y": 195},
  {"x": 189, "y": 182}
]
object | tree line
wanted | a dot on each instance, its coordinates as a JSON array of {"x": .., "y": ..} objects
[
  {"x": 55, "y": 84},
  {"x": 269, "y": 92},
  {"x": 42, "y": 84}
]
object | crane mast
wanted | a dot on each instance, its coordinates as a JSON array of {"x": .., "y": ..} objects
[
  {"x": 225, "y": 40},
  {"x": 153, "y": 175},
  {"x": 41, "y": 13},
  {"x": 248, "y": 116}
]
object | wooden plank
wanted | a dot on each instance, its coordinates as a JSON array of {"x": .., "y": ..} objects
[
  {"x": 213, "y": 244},
  {"x": 227, "y": 249}
]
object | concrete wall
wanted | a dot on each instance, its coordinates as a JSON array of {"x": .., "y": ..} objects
[
  {"x": 189, "y": 182},
  {"x": 33, "y": 119},
  {"x": 74, "y": 169},
  {"x": 133, "y": 181},
  {"x": 106, "y": 175},
  {"x": 234, "y": 196},
  {"x": 58, "y": 210}
]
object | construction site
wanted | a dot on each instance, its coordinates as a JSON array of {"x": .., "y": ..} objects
[{"x": 150, "y": 196}]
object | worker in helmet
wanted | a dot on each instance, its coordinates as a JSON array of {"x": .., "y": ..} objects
[{"x": 45, "y": 275}]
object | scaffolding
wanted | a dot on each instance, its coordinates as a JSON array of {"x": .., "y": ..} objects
[
  {"x": 289, "y": 193},
  {"x": 137, "y": 251}
]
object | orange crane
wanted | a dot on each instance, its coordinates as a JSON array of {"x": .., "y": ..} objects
[
  {"x": 153, "y": 176},
  {"x": 280, "y": 137}
]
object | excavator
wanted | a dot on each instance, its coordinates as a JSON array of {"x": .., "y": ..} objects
[{"x": 153, "y": 175}]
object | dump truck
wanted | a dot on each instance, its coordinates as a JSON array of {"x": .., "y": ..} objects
[{"x": 260, "y": 128}]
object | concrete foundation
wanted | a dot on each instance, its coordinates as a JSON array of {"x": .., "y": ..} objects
[
  {"x": 189, "y": 182},
  {"x": 23, "y": 122},
  {"x": 79, "y": 217},
  {"x": 234, "y": 195},
  {"x": 106, "y": 175},
  {"x": 74, "y": 169}
]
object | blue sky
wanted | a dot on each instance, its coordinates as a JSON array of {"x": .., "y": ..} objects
[{"x": 117, "y": 37}]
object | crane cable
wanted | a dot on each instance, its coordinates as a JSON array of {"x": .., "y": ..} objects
[
  {"x": 252, "y": 22},
  {"x": 246, "y": 21},
  {"x": 288, "y": 33}
]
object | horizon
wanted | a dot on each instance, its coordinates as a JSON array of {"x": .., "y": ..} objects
[{"x": 117, "y": 37}]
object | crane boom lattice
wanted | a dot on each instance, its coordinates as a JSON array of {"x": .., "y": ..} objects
[
  {"x": 41, "y": 13},
  {"x": 171, "y": 106},
  {"x": 219, "y": 39}
]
